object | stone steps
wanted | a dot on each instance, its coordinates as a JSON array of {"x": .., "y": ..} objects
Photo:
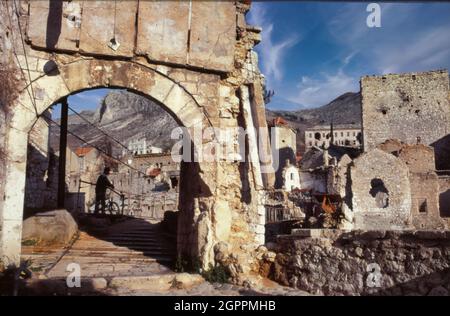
[{"x": 129, "y": 248}]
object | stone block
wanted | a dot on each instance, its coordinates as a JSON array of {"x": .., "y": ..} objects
[
  {"x": 99, "y": 284},
  {"x": 99, "y": 22},
  {"x": 213, "y": 35},
  {"x": 50, "y": 228},
  {"x": 54, "y": 24},
  {"x": 163, "y": 30},
  {"x": 222, "y": 220}
]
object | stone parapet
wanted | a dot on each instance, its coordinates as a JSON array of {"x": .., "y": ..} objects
[{"x": 378, "y": 262}]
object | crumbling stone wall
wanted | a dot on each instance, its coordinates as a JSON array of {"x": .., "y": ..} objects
[
  {"x": 365, "y": 263},
  {"x": 285, "y": 148},
  {"x": 212, "y": 80},
  {"x": 39, "y": 168},
  {"x": 10, "y": 87},
  {"x": 424, "y": 182},
  {"x": 407, "y": 107},
  {"x": 444, "y": 198},
  {"x": 380, "y": 190}
]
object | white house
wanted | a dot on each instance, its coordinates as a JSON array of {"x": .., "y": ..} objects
[{"x": 291, "y": 177}]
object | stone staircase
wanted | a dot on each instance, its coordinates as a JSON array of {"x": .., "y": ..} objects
[{"x": 134, "y": 247}]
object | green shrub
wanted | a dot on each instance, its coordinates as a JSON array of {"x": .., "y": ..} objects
[
  {"x": 186, "y": 264},
  {"x": 29, "y": 242},
  {"x": 216, "y": 274}
]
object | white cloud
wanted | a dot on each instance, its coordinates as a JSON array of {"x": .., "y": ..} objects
[
  {"x": 272, "y": 52},
  {"x": 400, "y": 45},
  {"x": 412, "y": 38},
  {"x": 349, "y": 58},
  {"x": 314, "y": 92},
  {"x": 85, "y": 97},
  {"x": 429, "y": 50}
]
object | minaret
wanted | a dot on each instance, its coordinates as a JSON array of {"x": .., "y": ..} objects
[{"x": 332, "y": 132}]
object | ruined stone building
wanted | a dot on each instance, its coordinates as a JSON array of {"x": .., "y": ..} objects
[
  {"x": 397, "y": 182},
  {"x": 140, "y": 147},
  {"x": 284, "y": 144},
  {"x": 143, "y": 162},
  {"x": 203, "y": 76},
  {"x": 348, "y": 135},
  {"x": 42, "y": 170},
  {"x": 146, "y": 174},
  {"x": 41, "y": 188}
]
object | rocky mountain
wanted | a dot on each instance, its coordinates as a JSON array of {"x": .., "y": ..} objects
[
  {"x": 346, "y": 109},
  {"x": 125, "y": 116}
]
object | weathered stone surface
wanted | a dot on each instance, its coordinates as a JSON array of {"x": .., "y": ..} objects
[
  {"x": 358, "y": 264},
  {"x": 99, "y": 283},
  {"x": 201, "y": 34},
  {"x": 163, "y": 30},
  {"x": 103, "y": 21},
  {"x": 190, "y": 93},
  {"x": 424, "y": 182},
  {"x": 222, "y": 220},
  {"x": 406, "y": 107},
  {"x": 50, "y": 228},
  {"x": 55, "y": 25},
  {"x": 157, "y": 283},
  {"x": 381, "y": 195},
  {"x": 213, "y": 32}
]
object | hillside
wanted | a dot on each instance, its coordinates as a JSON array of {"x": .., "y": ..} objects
[
  {"x": 346, "y": 109},
  {"x": 125, "y": 116}
]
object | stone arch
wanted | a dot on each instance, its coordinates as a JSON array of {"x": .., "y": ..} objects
[
  {"x": 66, "y": 79},
  {"x": 84, "y": 74}
]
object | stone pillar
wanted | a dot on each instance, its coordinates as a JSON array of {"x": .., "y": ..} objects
[{"x": 11, "y": 215}]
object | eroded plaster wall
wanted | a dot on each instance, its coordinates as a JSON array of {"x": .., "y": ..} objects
[
  {"x": 424, "y": 182},
  {"x": 178, "y": 27},
  {"x": 424, "y": 186},
  {"x": 9, "y": 82},
  {"x": 407, "y": 107},
  {"x": 380, "y": 191}
]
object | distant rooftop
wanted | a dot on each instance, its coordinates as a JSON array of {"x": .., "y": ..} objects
[
  {"x": 83, "y": 151},
  {"x": 278, "y": 122}
]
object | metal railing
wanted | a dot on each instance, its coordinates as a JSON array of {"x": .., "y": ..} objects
[
  {"x": 278, "y": 214},
  {"x": 148, "y": 206}
]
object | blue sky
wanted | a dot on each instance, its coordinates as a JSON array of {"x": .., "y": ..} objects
[
  {"x": 86, "y": 100},
  {"x": 313, "y": 52}
]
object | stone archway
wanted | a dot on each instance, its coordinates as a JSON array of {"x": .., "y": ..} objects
[{"x": 76, "y": 76}]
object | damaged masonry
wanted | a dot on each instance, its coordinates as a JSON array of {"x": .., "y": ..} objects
[{"x": 375, "y": 193}]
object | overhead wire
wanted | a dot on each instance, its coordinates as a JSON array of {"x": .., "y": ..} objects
[
  {"x": 98, "y": 128},
  {"x": 94, "y": 146},
  {"x": 31, "y": 95}
]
